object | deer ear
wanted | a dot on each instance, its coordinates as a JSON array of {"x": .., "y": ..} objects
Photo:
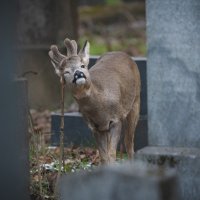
[{"x": 85, "y": 53}]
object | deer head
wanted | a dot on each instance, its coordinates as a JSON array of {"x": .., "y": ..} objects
[{"x": 74, "y": 66}]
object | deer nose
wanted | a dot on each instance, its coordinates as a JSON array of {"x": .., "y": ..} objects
[{"x": 78, "y": 74}]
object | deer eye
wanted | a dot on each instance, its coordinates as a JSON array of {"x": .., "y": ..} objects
[
  {"x": 82, "y": 66},
  {"x": 66, "y": 72}
]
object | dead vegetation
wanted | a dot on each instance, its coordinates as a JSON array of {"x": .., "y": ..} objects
[{"x": 44, "y": 159}]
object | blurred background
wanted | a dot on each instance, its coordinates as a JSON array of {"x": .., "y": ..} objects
[{"x": 113, "y": 25}]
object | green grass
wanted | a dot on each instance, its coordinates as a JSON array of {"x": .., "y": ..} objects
[{"x": 96, "y": 47}]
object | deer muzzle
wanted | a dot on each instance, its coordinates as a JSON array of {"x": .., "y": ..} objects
[{"x": 79, "y": 77}]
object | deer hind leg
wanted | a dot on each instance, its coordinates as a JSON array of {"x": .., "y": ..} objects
[{"x": 132, "y": 120}]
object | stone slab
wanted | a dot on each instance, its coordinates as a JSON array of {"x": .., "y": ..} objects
[
  {"x": 15, "y": 179},
  {"x": 77, "y": 132},
  {"x": 21, "y": 139},
  {"x": 186, "y": 161},
  {"x": 122, "y": 182},
  {"x": 173, "y": 72},
  {"x": 14, "y": 169}
]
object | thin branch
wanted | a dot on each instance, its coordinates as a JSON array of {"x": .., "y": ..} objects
[{"x": 61, "y": 158}]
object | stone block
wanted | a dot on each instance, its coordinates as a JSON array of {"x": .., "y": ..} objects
[
  {"x": 14, "y": 141},
  {"x": 186, "y": 162},
  {"x": 91, "y": 2},
  {"x": 77, "y": 132},
  {"x": 173, "y": 72},
  {"x": 21, "y": 139},
  {"x": 14, "y": 167},
  {"x": 122, "y": 182}
]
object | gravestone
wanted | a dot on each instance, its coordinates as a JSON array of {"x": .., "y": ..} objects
[
  {"x": 77, "y": 132},
  {"x": 173, "y": 79},
  {"x": 21, "y": 137},
  {"x": 14, "y": 167},
  {"x": 41, "y": 24},
  {"x": 173, "y": 72},
  {"x": 186, "y": 161},
  {"x": 122, "y": 182}
]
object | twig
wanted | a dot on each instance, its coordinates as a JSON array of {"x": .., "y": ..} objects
[
  {"x": 121, "y": 151},
  {"x": 95, "y": 157},
  {"x": 61, "y": 159}
]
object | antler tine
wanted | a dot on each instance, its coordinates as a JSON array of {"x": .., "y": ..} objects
[
  {"x": 75, "y": 45},
  {"x": 55, "y": 55},
  {"x": 71, "y": 47}
]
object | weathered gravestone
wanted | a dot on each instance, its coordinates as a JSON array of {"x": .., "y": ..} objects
[
  {"x": 41, "y": 24},
  {"x": 173, "y": 76},
  {"x": 126, "y": 182},
  {"x": 14, "y": 167},
  {"x": 77, "y": 132},
  {"x": 173, "y": 72},
  {"x": 186, "y": 161},
  {"x": 21, "y": 137}
]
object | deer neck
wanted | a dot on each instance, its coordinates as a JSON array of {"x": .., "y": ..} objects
[{"x": 83, "y": 91}]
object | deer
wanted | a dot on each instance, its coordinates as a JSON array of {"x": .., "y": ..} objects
[{"x": 108, "y": 94}]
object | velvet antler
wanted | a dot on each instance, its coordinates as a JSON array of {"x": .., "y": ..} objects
[{"x": 71, "y": 47}]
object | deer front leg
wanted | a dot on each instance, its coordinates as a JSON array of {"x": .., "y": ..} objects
[{"x": 107, "y": 142}]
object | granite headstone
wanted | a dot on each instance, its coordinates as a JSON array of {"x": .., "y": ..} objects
[
  {"x": 123, "y": 182},
  {"x": 186, "y": 161},
  {"x": 173, "y": 72},
  {"x": 41, "y": 24}
]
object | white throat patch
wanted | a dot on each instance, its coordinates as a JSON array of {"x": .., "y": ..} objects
[{"x": 80, "y": 81}]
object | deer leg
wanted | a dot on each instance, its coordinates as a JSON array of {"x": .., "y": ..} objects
[
  {"x": 132, "y": 120},
  {"x": 101, "y": 141},
  {"x": 107, "y": 143}
]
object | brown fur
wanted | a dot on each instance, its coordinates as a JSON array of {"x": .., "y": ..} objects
[{"x": 109, "y": 98}]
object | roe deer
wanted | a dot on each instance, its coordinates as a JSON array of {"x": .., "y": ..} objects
[{"x": 108, "y": 94}]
